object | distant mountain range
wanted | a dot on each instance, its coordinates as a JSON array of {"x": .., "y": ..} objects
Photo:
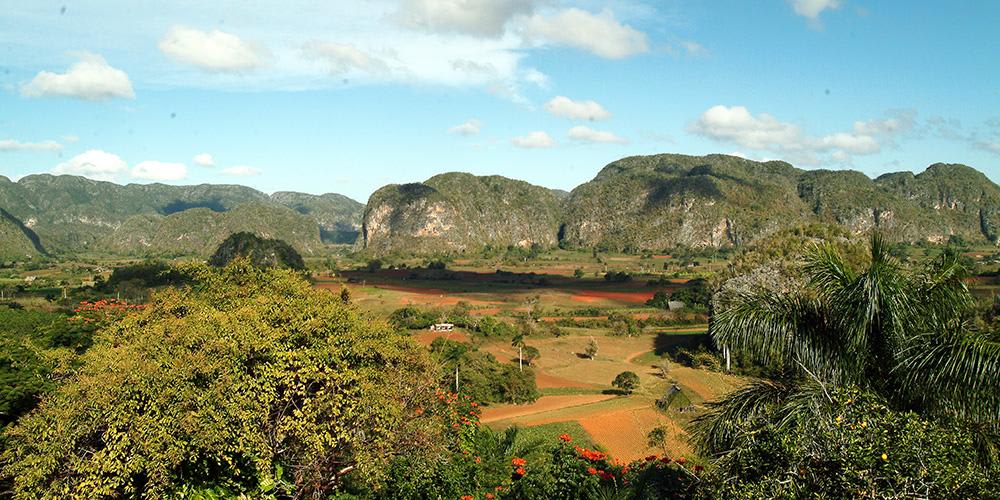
[
  {"x": 68, "y": 214},
  {"x": 637, "y": 203}
]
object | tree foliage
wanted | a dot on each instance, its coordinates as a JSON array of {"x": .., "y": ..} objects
[{"x": 241, "y": 374}]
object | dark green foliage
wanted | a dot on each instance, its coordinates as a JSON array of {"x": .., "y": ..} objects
[
  {"x": 626, "y": 381},
  {"x": 481, "y": 376},
  {"x": 893, "y": 336},
  {"x": 260, "y": 252},
  {"x": 149, "y": 274},
  {"x": 618, "y": 277},
  {"x": 411, "y": 318},
  {"x": 857, "y": 445}
]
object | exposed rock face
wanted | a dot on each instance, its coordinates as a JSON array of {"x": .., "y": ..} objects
[
  {"x": 458, "y": 212},
  {"x": 662, "y": 201}
]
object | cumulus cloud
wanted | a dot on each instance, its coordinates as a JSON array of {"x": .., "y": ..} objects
[
  {"x": 587, "y": 134},
  {"x": 211, "y": 50},
  {"x": 470, "y": 127},
  {"x": 344, "y": 58},
  {"x": 600, "y": 34},
  {"x": 736, "y": 124},
  {"x": 811, "y": 9},
  {"x": 576, "y": 110},
  {"x": 241, "y": 171},
  {"x": 15, "y": 145},
  {"x": 481, "y": 18},
  {"x": 204, "y": 160},
  {"x": 534, "y": 140},
  {"x": 94, "y": 164},
  {"x": 159, "y": 171},
  {"x": 763, "y": 132},
  {"x": 91, "y": 78}
]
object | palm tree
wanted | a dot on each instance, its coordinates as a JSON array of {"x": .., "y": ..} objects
[
  {"x": 518, "y": 342},
  {"x": 903, "y": 334}
]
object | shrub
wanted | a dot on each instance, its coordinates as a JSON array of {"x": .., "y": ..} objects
[
  {"x": 626, "y": 381},
  {"x": 220, "y": 384}
]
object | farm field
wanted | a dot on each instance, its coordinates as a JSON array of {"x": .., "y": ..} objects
[{"x": 578, "y": 390}]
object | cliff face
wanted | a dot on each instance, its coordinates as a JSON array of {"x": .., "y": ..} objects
[
  {"x": 662, "y": 201},
  {"x": 456, "y": 212}
]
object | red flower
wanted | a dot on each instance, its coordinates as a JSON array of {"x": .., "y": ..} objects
[
  {"x": 520, "y": 471},
  {"x": 565, "y": 438},
  {"x": 665, "y": 459},
  {"x": 467, "y": 497},
  {"x": 698, "y": 468},
  {"x": 478, "y": 460},
  {"x": 518, "y": 462},
  {"x": 651, "y": 458},
  {"x": 591, "y": 471},
  {"x": 682, "y": 460},
  {"x": 490, "y": 495}
]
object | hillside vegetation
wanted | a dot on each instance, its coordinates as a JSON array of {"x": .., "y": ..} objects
[
  {"x": 75, "y": 214},
  {"x": 459, "y": 212},
  {"x": 642, "y": 203}
]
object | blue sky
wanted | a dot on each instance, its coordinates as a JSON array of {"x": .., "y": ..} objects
[{"x": 347, "y": 96}]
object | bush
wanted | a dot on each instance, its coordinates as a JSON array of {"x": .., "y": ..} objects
[
  {"x": 222, "y": 384},
  {"x": 861, "y": 447},
  {"x": 626, "y": 381},
  {"x": 480, "y": 376},
  {"x": 411, "y": 318}
]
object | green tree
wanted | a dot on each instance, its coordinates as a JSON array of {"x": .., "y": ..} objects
[
  {"x": 591, "y": 350},
  {"x": 626, "y": 381},
  {"x": 244, "y": 373},
  {"x": 530, "y": 354},
  {"x": 898, "y": 333}
]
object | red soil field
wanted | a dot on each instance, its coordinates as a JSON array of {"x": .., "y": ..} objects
[{"x": 595, "y": 295}]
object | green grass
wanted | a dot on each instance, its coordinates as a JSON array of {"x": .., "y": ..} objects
[
  {"x": 549, "y": 434},
  {"x": 569, "y": 391}
]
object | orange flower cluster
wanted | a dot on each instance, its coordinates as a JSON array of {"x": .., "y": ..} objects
[
  {"x": 592, "y": 455},
  {"x": 565, "y": 438}
]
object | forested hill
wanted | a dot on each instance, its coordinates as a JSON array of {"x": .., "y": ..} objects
[
  {"x": 638, "y": 203},
  {"x": 72, "y": 214}
]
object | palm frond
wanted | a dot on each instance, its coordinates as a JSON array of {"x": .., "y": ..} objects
[
  {"x": 954, "y": 372},
  {"x": 786, "y": 330}
]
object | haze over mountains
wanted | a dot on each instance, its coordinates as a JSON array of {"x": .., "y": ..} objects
[{"x": 636, "y": 203}]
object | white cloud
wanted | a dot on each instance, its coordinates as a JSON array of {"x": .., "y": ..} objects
[
  {"x": 94, "y": 164},
  {"x": 344, "y": 58},
  {"x": 811, "y": 9},
  {"x": 159, "y": 171},
  {"x": 14, "y": 145},
  {"x": 204, "y": 160},
  {"x": 693, "y": 48},
  {"x": 600, "y": 34},
  {"x": 763, "y": 132},
  {"x": 482, "y": 18},
  {"x": 470, "y": 127},
  {"x": 587, "y": 134},
  {"x": 534, "y": 140},
  {"x": 241, "y": 171},
  {"x": 91, "y": 78},
  {"x": 736, "y": 124},
  {"x": 576, "y": 110},
  {"x": 212, "y": 50},
  {"x": 72, "y": 139}
]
